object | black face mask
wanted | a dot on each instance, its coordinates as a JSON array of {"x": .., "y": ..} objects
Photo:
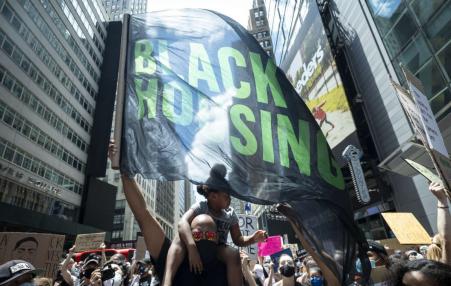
[
  {"x": 287, "y": 270},
  {"x": 207, "y": 251}
]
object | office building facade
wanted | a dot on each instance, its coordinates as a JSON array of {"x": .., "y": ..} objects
[
  {"x": 51, "y": 54},
  {"x": 368, "y": 40},
  {"x": 258, "y": 26},
  {"x": 117, "y": 8}
]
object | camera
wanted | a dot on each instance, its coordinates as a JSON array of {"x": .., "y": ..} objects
[{"x": 107, "y": 274}]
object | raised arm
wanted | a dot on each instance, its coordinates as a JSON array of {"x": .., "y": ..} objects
[
  {"x": 327, "y": 272},
  {"x": 244, "y": 240},
  {"x": 65, "y": 272},
  {"x": 443, "y": 220},
  {"x": 152, "y": 231}
]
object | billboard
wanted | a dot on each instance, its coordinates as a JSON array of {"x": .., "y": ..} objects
[{"x": 311, "y": 69}]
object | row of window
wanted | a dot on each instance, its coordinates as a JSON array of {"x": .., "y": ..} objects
[
  {"x": 260, "y": 35},
  {"x": 38, "y": 77},
  {"x": 16, "y": 88},
  {"x": 265, "y": 44},
  {"x": 77, "y": 27},
  {"x": 259, "y": 23},
  {"x": 33, "y": 133},
  {"x": 53, "y": 40},
  {"x": 24, "y": 197},
  {"x": 47, "y": 59},
  {"x": 14, "y": 155},
  {"x": 99, "y": 12},
  {"x": 65, "y": 32},
  {"x": 64, "y": 55},
  {"x": 116, "y": 234},
  {"x": 118, "y": 219},
  {"x": 97, "y": 24},
  {"x": 259, "y": 13}
]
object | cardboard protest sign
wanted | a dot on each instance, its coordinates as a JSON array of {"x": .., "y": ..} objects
[
  {"x": 444, "y": 164},
  {"x": 248, "y": 225},
  {"x": 140, "y": 251},
  {"x": 272, "y": 245},
  {"x": 433, "y": 137},
  {"x": 89, "y": 241},
  {"x": 407, "y": 228},
  {"x": 42, "y": 250},
  {"x": 428, "y": 174},
  {"x": 392, "y": 244}
]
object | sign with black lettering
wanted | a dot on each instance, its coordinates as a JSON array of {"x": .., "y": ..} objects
[
  {"x": 200, "y": 91},
  {"x": 248, "y": 225},
  {"x": 42, "y": 250}
]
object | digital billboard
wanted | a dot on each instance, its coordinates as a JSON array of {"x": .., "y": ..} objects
[{"x": 311, "y": 69}]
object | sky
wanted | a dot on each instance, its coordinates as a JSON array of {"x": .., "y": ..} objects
[{"x": 235, "y": 9}]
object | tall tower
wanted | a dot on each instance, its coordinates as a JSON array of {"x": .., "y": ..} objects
[
  {"x": 117, "y": 8},
  {"x": 258, "y": 26},
  {"x": 50, "y": 64}
]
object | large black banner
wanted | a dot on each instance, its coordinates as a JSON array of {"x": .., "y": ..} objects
[{"x": 200, "y": 91}]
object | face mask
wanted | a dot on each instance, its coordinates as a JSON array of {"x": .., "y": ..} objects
[
  {"x": 27, "y": 284},
  {"x": 287, "y": 270},
  {"x": 116, "y": 281},
  {"x": 373, "y": 263},
  {"x": 316, "y": 281},
  {"x": 207, "y": 251}
]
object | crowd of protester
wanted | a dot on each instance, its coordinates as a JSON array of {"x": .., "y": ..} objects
[{"x": 200, "y": 256}]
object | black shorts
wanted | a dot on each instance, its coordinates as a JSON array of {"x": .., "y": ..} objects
[
  {"x": 160, "y": 264},
  {"x": 215, "y": 276}
]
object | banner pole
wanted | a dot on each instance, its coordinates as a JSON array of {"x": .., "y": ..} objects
[{"x": 120, "y": 94}]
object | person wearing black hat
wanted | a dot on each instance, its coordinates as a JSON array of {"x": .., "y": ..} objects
[
  {"x": 17, "y": 273},
  {"x": 216, "y": 190},
  {"x": 377, "y": 254}
]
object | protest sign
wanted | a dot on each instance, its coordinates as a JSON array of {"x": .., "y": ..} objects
[
  {"x": 272, "y": 245},
  {"x": 392, "y": 244},
  {"x": 140, "y": 248},
  {"x": 42, "y": 250},
  {"x": 89, "y": 241},
  {"x": 428, "y": 174},
  {"x": 433, "y": 137},
  {"x": 276, "y": 256},
  {"x": 248, "y": 225},
  {"x": 407, "y": 228}
]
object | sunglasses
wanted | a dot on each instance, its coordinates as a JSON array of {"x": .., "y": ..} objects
[{"x": 208, "y": 235}]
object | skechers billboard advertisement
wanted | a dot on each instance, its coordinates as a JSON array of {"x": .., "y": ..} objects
[{"x": 311, "y": 69}]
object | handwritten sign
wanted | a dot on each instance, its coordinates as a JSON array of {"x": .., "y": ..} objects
[
  {"x": 140, "y": 248},
  {"x": 42, "y": 250},
  {"x": 428, "y": 174},
  {"x": 272, "y": 245},
  {"x": 89, "y": 241},
  {"x": 407, "y": 228}
]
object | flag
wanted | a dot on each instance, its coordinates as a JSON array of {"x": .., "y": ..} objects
[{"x": 200, "y": 91}]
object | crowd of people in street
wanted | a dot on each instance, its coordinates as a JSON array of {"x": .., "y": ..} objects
[{"x": 200, "y": 254}]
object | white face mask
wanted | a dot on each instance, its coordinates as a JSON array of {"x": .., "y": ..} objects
[{"x": 115, "y": 281}]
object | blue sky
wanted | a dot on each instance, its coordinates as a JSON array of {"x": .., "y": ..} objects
[{"x": 235, "y": 9}]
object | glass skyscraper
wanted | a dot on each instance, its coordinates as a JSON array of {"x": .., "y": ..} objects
[
  {"x": 417, "y": 33},
  {"x": 50, "y": 58}
]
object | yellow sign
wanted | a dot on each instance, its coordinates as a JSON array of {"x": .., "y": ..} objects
[{"x": 407, "y": 228}]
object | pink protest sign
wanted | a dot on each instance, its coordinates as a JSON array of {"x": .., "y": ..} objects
[{"x": 272, "y": 245}]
